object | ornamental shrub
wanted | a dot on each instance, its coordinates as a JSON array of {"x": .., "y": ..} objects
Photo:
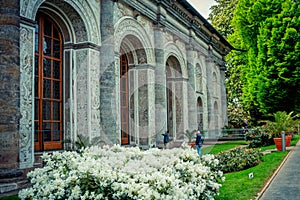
[
  {"x": 238, "y": 159},
  {"x": 125, "y": 173},
  {"x": 258, "y": 138}
]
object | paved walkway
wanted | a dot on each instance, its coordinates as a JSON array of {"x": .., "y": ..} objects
[{"x": 285, "y": 184}]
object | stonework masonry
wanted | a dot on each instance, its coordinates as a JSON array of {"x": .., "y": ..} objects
[{"x": 130, "y": 70}]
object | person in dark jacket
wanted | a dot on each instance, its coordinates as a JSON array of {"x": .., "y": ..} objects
[
  {"x": 199, "y": 142},
  {"x": 166, "y": 139}
]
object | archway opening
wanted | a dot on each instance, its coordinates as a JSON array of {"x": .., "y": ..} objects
[{"x": 174, "y": 95}]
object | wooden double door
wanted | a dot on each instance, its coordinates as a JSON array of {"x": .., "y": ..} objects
[{"x": 48, "y": 86}]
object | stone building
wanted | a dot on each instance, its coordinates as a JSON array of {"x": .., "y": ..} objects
[{"x": 112, "y": 71}]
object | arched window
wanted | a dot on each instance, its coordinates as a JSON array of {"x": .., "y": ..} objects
[
  {"x": 198, "y": 73},
  {"x": 215, "y": 84},
  {"x": 48, "y": 105},
  {"x": 199, "y": 113},
  {"x": 216, "y": 115}
]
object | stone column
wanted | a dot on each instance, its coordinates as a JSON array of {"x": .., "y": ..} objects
[
  {"x": 109, "y": 77},
  {"x": 146, "y": 105},
  {"x": 192, "y": 98},
  {"x": 205, "y": 90},
  {"x": 160, "y": 84},
  {"x": 210, "y": 93},
  {"x": 224, "y": 114},
  {"x": 10, "y": 95}
]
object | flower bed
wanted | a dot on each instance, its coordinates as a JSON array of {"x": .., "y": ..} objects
[{"x": 125, "y": 173}]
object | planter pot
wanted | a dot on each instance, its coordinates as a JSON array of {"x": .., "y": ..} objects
[
  {"x": 278, "y": 142},
  {"x": 192, "y": 144},
  {"x": 288, "y": 139}
]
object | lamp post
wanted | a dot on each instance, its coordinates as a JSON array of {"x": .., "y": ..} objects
[{"x": 283, "y": 140}]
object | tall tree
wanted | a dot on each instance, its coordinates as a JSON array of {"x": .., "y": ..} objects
[
  {"x": 221, "y": 18},
  {"x": 269, "y": 30}
]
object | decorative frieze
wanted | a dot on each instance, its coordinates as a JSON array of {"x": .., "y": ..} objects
[{"x": 26, "y": 95}]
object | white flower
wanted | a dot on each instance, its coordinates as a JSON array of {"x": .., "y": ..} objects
[{"x": 118, "y": 172}]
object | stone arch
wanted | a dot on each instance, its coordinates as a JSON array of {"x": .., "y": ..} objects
[
  {"x": 174, "y": 93},
  {"x": 133, "y": 48},
  {"x": 129, "y": 28},
  {"x": 172, "y": 50},
  {"x": 82, "y": 16}
]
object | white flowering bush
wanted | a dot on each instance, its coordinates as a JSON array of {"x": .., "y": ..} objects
[{"x": 125, "y": 173}]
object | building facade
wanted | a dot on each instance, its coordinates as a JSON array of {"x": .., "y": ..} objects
[{"x": 105, "y": 71}]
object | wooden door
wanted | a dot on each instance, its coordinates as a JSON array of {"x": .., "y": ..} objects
[
  {"x": 124, "y": 99},
  {"x": 48, "y": 105}
]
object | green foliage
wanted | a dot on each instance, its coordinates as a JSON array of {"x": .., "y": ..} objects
[
  {"x": 238, "y": 159},
  {"x": 221, "y": 16},
  {"x": 282, "y": 121},
  {"x": 190, "y": 134},
  {"x": 267, "y": 29},
  {"x": 264, "y": 68},
  {"x": 258, "y": 138},
  {"x": 82, "y": 142}
]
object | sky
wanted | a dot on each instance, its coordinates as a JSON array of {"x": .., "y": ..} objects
[{"x": 202, "y": 6}]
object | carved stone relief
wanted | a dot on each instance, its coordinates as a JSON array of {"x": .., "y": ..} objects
[
  {"x": 83, "y": 15},
  {"x": 81, "y": 93},
  {"x": 95, "y": 92},
  {"x": 128, "y": 26},
  {"x": 172, "y": 50},
  {"x": 26, "y": 96}
]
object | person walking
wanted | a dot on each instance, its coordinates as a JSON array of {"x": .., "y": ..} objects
[
  {"x": 245, "y": 126},
  {"x": 199, "y": 142},
  {"x": 166, "y": 139}
]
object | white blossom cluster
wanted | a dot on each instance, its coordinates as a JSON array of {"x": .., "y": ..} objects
[{"x": 125, "y": 173}]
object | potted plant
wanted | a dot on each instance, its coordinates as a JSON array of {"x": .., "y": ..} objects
[
  {"x": 190, "y": 135},
  {"x": 283, "y": 122}
]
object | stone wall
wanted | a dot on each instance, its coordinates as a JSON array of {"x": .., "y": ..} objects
[
  {"x": 9, "y": 87},
  {"x": 10, "y": 175}
]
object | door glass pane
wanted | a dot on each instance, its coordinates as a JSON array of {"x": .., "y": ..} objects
[
  {"x": 36, "y": 65},
  {"x": 56, "y": 132},
  {"x": 36, "y": 132},
  {"x": 47, "y": 28},
  {"x": 47, "y": 67},
  {"x": 55, "y": 33},
  {"x": 47, "y": 88},
  {"x": 46, "y": 110},
  {"x": 56, "y": 69},
  {"x": 36, "y": 43},
  {"x": 56, "y": 90},
  {"x": 47, "y": 131},
  {"x": 56, "y": 48},
  {"x": 36, "y": 85},
  {"x": 36, "y": 109},
  {"x": 56, "y": 111},
  {"x": 47, "y": 46}
]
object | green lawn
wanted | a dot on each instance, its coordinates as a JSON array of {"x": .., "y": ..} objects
[
  {"x": 15, "y": 197},
  {"x": 217, "y": 148}
]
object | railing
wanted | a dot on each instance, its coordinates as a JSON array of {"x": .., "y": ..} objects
[{"x": 224, "y": 134}]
